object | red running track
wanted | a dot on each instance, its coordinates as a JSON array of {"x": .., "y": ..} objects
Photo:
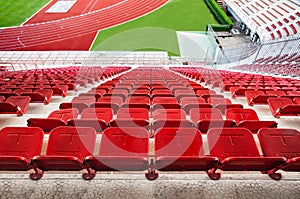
[
  {"x": 75, "y": 32},
  {"x": 80, "y": 7}
]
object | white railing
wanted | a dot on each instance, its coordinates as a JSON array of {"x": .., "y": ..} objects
[{"x": 22, "y": 60}]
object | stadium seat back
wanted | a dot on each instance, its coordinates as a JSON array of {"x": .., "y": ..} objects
[
  {"x": 21, "y": 141},
  {"x": 71, "y": 141},
  {"x": 231, "y": 142},
  {"x": 124, "y": 142}
]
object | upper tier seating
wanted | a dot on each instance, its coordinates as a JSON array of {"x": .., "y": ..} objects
[{"x": 270, "y": 19}]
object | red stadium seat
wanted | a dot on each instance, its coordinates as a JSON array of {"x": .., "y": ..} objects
[
  {"x": 181, "y": 149},
  {"x": 296, "y": 101},
  {"x": 236, "y": 149},
  {"x": 222, "y": 104},
  {"x": 281, "y": 143},
  {"x": 60, "y": 90},
  {"x": 160, "y": 102},
  {"x": 99, "y": 91},
  {"x": 18, "y": 145},
  {"x": 8, "y": 94},
  {"x": 283, "y": 107},
  {"x": 131, "y": 117},
  {"x": 15, "y": 105},
  {"x": 189, "y": 103},
  {"x": 257, "y": 97},
  {"x": 39, "y": 96},
  {"x": 239, "y": 91},
  {"x": 113, "y": 102},
  {"x": 22, "y": 90},
  {"x": 80, "y": 103},
  {"x": 55, "y": 119},
  {"x": 97, "y": 118},
  {"x": 170, "y": 118},
  {"x": 248, "y": 118},
  {"x": 200, "y": 93},
  {"x": 137, "y": 102},
  {"x": 169, "y": 114},
  {"x": 292, "y": 95},
  {"x": 123, "y": 149},
  {"x": 278, "y": 93},
  {"x": 66, "y": 150},
  {"x": 207, "y": 118},
  {"x": 112, "y": 94}
]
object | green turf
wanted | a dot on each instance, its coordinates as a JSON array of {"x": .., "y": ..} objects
[
  {"x": 177, "y": 15},
  {"x": 15, "y": 12}
]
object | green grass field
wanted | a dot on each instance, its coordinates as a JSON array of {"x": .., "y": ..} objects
[
  {"x": 157, "y": 31},
  {"x": 15, "y": 12}
]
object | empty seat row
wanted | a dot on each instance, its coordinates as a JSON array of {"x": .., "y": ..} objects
[
  {"x": 58, "y": 90},
  {"x": 258, "y": 89},
  {"x": 260, "y": 97},
  {"x": 38, "y": 96},
  {"x": 126, "y": 149},
  {"x": 201, "y": 118}
]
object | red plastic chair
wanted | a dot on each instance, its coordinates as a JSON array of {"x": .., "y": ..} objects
[
  {"x": 66, "y": 150},
  {"x": 207, "y": 118},
  {"x": 131, "y": 117},
  {"x": 18, "y": 145},
  {"x": 188, "y": 103},
  {"x": 257, "y": 97},
  {"x": 80, "y": 103},
  {"x": 170, "y": 118},
  {"x": 181, "y": 149},
  {"x": 15, "y": 105},
  {"x": 55, "y": 119},
  {"x": 165, "y": 103},
  {"x": 39, "y": 96},
  {"x": 121, "y": 149},
  {"x": 97, "y": 118},
  {"x": 248, "y": 118},
  {"x": 222, "y": 104},
  {"x": 137, "y": 102},
  {"x": 281, "y": 143},
  {"x": 113, "y": 102},
  {"x": 283, "y": 107}
]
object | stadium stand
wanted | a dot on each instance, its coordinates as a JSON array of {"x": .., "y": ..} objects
[
  {"x": 167, "y": 127},
  {"x": 107, "y": 130},
  {"x": 270, "y": 20}
]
